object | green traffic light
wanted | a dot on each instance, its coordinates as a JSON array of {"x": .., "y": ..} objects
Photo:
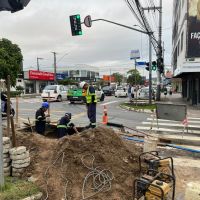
[
  {"x": 78, "y": 16},
  {"x": 80, "y": 33}
]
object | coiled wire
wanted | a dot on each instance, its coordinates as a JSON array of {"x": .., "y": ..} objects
[{"x": 101, "y": 178}]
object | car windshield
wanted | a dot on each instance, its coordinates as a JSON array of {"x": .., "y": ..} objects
[
  {"x": 50, "y": 87},
  {"x": 106, "y": 88},
  {"x": 120, "y": 88}
]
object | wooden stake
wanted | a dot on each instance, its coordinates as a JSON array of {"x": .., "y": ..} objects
[
  {"x": 30, "y": 124},
  {"x": 14, "y": 143}
]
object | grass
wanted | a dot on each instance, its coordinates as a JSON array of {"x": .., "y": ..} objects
[
  {"x": 145, "y": 107},
  {"x": 16, "y": 189}
]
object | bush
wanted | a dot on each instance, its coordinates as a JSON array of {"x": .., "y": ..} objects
[{"x": 14, "y": 93}]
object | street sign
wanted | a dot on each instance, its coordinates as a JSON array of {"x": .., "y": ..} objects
[
  {"x": 88, "y": 21},
  {"x": 135, "y": 54},
  {"x": 141, "y": 64}
]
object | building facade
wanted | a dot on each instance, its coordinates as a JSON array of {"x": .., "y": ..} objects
[{"x": 186, "y": 48}]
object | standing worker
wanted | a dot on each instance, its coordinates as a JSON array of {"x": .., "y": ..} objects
[
  {"x": 64, "y": 126},
  {"x": 40, "y": 118},
  {"x": 91, "y": 101}
]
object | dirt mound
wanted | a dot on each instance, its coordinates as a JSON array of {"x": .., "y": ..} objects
[{"x": 98, "y": 158}]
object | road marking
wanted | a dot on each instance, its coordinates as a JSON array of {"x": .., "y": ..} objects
[{"x": 111, "y": 102}]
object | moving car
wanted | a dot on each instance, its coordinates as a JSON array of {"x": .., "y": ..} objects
[
  {"x": 78, "y": 95},
  {"x": 54, "y": 93},
  {"x": 108, "y": 91},
  {"x": 121, "y": 92}
]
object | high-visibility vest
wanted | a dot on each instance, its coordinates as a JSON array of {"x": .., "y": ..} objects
[{"x": 89, "y": 96}]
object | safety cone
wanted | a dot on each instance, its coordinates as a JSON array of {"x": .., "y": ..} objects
[{"x": 105, "y": 115}]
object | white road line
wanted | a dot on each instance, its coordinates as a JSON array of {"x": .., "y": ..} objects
[{"x": 111, "y": 102}]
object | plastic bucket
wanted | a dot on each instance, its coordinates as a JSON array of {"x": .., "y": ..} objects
[{"x": 150, "y": 144}]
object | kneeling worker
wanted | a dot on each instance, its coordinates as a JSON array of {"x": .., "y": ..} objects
[
  {"x": 64, "y": 126},
  {"x": 40, "y": 117}
]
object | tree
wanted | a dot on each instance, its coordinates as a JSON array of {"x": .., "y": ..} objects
[
  {"x": 10, "y": 60},
  {"x": 118, "y": 77},
  {"x": 134, "y": 76}
]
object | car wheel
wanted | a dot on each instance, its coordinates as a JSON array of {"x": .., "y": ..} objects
[
  {"x": 102, "y": 97},
  {"x": 59, "y": 98}
]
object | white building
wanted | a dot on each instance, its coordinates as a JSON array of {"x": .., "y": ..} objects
[{"x": 186, "y": 47}]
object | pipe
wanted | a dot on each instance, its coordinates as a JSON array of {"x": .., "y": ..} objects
[{"x": 161, "y": 144}]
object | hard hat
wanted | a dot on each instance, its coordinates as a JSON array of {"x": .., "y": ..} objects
[
  {"x": 69, "y": 115},
  {"x": 82, "y": 84},
  {"x": 45, "y": 105}
]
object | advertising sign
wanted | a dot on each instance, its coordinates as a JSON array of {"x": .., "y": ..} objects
[
  {"x": 61, "y": 76},
  {"x": 135, "y": 54},
  {"x": 39, "y": 75},
  {"x": 193, "y": 46},
  {"x": 108, "y": 78}
]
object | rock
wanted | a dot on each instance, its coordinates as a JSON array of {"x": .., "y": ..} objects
[
  {"x": 32, "y": 179},
  {"x": 38, "y": 196},
  {"x": 6, "y": 155},
  {"x": 15, "y": 170},
  {"x": 6, "y": 164},
  {"x": 19, "y": 166},
  {"x": 6, "y": 150},
  {"x": 20, "y": 162},
  {"x": 17, "y": 150},
  {"x": 16, "y": 174},
  {"x": 7, "y": 174},
  {"x": 6, "y": 160},
  {"x": 6, "y": 169},
  {"x": 6, "y": 140},
  {"x": 20, "y": 157}
]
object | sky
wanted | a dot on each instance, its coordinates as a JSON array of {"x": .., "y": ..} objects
[{"x": 43, "y": 27}]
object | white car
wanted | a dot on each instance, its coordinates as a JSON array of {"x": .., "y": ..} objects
[
  {"x": 121, "y": 92},
  {"x": 54, "y": 93},
  {"x": 143, "y": 93}
]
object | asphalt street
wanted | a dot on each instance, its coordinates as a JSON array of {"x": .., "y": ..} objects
[{"x": 28, "y": 107}]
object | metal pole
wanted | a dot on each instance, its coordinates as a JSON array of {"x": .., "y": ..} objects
[
  {"x": 135, "y": 82},
  {"x": 150, "y": 70},
  {"x": 55, "y": 79},
  {"x": 38, "y": 67},
  {"x": 159, "y": 54},
  {"x": 1, "y": 150},
  {"x": 8, "y": 105}
]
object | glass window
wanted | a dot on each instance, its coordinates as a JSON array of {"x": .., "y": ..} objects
[{"x": 50, "y": 87}]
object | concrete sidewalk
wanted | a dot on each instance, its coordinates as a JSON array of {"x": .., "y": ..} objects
[{"x": 176, "y": 98}]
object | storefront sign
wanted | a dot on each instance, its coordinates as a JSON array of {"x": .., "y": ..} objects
[
  {"x": 193, "y": 46},
  {"x": 39, "y": 75}
]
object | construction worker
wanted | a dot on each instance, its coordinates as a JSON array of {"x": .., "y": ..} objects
[
  {"x": 91, "y": 101},
  {"x": 40, "y": 118},
  {"x": 64, "y": 126}
]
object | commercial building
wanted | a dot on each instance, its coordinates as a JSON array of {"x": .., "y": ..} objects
[{"x": 186, "y": 48}]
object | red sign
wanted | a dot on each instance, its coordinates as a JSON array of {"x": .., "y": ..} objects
[
  {"x": 108, "y": 78},
  {"x": 39, "y": 75}
]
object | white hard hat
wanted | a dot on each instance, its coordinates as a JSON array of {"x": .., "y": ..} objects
[{"x": 82, "y": 84}]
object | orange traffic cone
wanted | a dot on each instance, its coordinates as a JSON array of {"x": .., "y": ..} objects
[{"x": 105, "y": 115}]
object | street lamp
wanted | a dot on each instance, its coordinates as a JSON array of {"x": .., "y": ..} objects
[{"x": 38, "y": 66}]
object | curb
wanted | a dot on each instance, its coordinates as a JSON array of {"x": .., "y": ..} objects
[{"x": 136, "y": 110}]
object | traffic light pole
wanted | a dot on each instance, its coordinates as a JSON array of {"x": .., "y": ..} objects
[{"x": 150, "y": 50}]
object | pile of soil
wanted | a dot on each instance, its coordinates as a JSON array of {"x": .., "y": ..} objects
[{"x": 59, "y": 165}]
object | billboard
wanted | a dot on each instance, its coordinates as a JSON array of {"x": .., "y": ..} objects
[
  {"x": 39, "y": 75},
  {"x": 108, "y": 78},
  {"x": 193, "y": 40}
]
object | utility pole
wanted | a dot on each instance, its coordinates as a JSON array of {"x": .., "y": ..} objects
[
  {"x": 150, "y": 70},
  {"x": 1, "y": 150},
  {"x": 159, "y": 54},
  {"x": 55, "y": 78},
  {"x": 38, "y": 66}
]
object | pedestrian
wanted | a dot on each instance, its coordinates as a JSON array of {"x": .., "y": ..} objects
[
  {"x": 132, "y": 92},
  {"x": 40, "y": 118},
  {"x": 65, "y": 127},
  {"x": 91, "y": 101},
  {"x": 165, "y": 91},
  {"x": 129, "y": 92}
]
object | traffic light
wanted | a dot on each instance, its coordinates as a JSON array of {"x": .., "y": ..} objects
[
  {"x": 154, "y": 65},
  {"x": 160, "y": 64},
  {"x": 75, "y": 21},
  {"x": 147, "y": 64},
  {"x": 13, "y": 5}
]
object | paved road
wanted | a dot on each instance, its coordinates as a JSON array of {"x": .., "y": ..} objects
[{"x": 27, "y": 108}]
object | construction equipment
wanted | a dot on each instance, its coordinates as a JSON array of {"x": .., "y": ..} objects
[
  {"x": 154, "y": 187},
  {"x": 154, "y": 162}
]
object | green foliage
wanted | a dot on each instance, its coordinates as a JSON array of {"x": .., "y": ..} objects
[
  {"x": 19, "y": 88},
  {"x": 67, "y": 82},
  {"x": 131, "y": 78},
  {"x": 101, "y": 83},
  {"x": 16, "y": 189},
  {"x": 144, "y": 107},
  {"x": 118, "y": 77},
  {"x": 10, "y": 60}
]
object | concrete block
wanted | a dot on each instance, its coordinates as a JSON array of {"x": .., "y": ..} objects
[
  {"x": 17, "y": 150},
  {"x": 20, "y": 157}
]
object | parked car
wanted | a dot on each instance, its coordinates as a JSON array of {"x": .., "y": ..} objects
[
  {"x": 54, "y": 93},
  {"x": 143, "y": 93},
  {"x": 108, "y": 91},
  {"x": 78, "y": 95},
  {"x": 121, "y": 92}
]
